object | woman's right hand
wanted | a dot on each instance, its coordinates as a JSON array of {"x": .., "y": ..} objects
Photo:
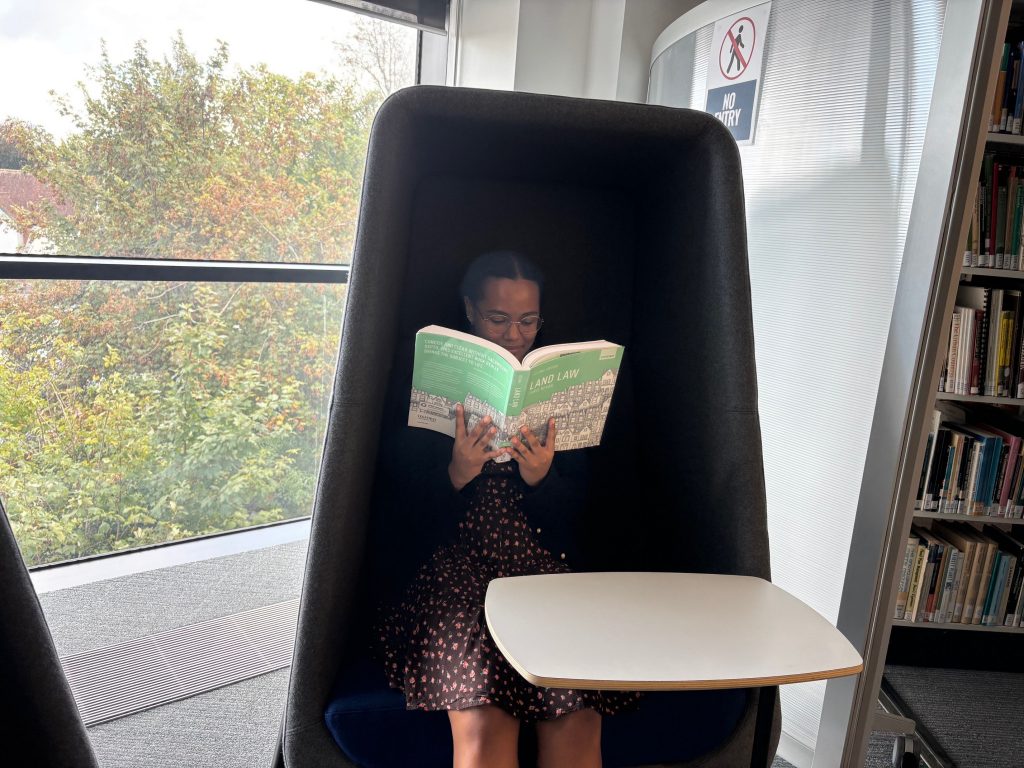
[{"x": 470, "y": 452}]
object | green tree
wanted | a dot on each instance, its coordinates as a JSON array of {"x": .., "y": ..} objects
[{"x": 132, "y": 413}]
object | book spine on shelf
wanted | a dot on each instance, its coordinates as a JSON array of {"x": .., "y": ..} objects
[
  {"x": 984, "y": 184},
  {"x": 916, "y": 579},
  {"x": 926, "y": 470},
  {"x": 936, "y": 554},
  {"x": 993, "y": 593},
  {"x": 965, "y": 354},
  {"x": 999, "y": 221},
  {"x": 927, "y": 584},
  {"x": 1017, "y": 201},
  {"x": 1009, "y": 572},
  {"x": 952, "y": 557},
  {"x": 903, "y": 589},
  {"x": 994, "y": 215},
  {"x": 977, "y": 345},
  {"x": 954, "y": 348},
  {"x": 1000, "y": 86},
  {"x": 952, "y": 584},
  {"x": 976, "y": 230},
  {"x": 1009, "y": 91},
  {"x": 1017, "y": 607},
  {"x": 984, "y": 579}
]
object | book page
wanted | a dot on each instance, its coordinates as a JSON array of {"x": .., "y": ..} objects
[
  {"x": 452, "y": 367},
  {"x": 576, "y": 390}
]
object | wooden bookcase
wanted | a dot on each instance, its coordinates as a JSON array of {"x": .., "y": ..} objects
[{"x": 970, "y": 646}]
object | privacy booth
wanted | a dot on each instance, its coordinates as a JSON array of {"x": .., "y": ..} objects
[{"x": 635, "y": 214}]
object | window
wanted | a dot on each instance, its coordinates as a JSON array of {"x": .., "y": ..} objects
[{"x": 156, "y": 401}]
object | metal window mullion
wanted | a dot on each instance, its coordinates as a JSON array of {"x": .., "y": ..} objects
[{"x": 20, "y": 267}]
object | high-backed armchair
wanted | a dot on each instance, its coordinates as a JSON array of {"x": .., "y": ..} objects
[{"x": 635, "y": 213}]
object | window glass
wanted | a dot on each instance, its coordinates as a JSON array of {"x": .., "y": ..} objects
[
  {"x": 191, "y": 130},
  {"x": 135, "y": 413},
  {"x": 139, "y": 413}
]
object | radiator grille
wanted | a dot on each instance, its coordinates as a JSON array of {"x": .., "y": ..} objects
[{"x": 121, "y": 679}]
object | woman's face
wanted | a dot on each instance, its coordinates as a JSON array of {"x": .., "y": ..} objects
[{"x": 497, "y": 314}]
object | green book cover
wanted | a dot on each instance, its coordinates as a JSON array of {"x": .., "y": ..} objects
[{"x": 573, "y": 383}]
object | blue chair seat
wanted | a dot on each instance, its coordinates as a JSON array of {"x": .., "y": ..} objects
[{"x": 371, "y": 725}]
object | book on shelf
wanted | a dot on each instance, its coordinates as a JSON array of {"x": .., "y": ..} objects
[
  {"x": 573, "y": 383},
  {"x": 997, "y": 103},
  {"x": 1009, "y": 614},
  {"x": 916, "y": 580},
  {"x": 985, "y": 352},
  {"x": 967, "y": 546},
  {"x": 903, "y": 589},
  {"x": 1018, "y": 109},
  {"x": 952, "y": 573},
  {"x": 996, "y": 230}
]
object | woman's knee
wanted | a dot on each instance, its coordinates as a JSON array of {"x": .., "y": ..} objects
[
  {"x": 570, "y": 740},
  {"x": 485, "y": 727}
]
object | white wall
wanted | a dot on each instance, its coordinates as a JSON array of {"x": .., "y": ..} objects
[{"x": 591, "y": 48}]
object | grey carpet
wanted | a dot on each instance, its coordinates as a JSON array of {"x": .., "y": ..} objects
[
  {"x": 976, "y": 717},
  {"x": 232, "y": 727},
  {"x": 128, "y": 607}
]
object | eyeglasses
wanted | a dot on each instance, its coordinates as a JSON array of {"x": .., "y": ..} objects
[{"x": 499, "y": 324}]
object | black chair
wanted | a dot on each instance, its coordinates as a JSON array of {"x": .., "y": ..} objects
[
  {"x": 636, "y": 215},
  {"x": 39, "y": 720}
]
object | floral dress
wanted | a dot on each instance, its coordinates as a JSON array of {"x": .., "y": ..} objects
[{"x": 435, "y": 643}]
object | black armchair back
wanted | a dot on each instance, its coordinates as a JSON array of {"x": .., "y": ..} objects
[
  {"x": 39, "y": 720},
  {"x": 636, "y": 215}
]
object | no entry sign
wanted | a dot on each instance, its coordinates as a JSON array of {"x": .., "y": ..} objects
[{"x": 734, "y": 70}]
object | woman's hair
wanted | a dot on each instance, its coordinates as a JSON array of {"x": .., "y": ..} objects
[{"x": 507, "y": 264}]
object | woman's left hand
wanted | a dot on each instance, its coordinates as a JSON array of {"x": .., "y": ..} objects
[{"x": 534, "y": 456}]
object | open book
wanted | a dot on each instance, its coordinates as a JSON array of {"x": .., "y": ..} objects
[{"x": 571, "y": 382}]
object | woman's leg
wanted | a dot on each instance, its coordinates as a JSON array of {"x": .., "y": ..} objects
[
  {"x": 484, "y": 737},
  {"x": 570, "y": 741}
]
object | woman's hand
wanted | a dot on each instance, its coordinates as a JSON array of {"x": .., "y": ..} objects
[
  {"x": 534, "y": 456},
  {"x": 470, "y": 452}
]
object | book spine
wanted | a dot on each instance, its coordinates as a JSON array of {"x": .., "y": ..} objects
[
  {"x": 1009, "y": 91},
  {"x": 1013, "y": 250},
  {"x": 926, "y": 470},
  {"x": 993, "y": 594},
  {"x": 1006, "y": 478},
  {"x": 916, "y": 578},
  {"x": 948, "y": 585},
  {"x": 903, "y": 590},
  {"x": 984, "y": 209},
  {"x": 1009, "y": 572},
  {"x": 963, "y": 580},
  {"x": 517, "y": 394},
  {"x": 1016, "y": 604},
  {"x": 984, "y": 580},
  {"x": 976, "y": 229},
  {"x": 977, "y": 345},
  {"x": 954, "y": 348},
  {"x": 997, "y": 103}
]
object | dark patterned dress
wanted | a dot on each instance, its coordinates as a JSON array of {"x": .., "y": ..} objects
[{"x": 436, "y": 645}]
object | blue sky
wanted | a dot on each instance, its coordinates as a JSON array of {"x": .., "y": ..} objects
[{"x": 45, "y": 44}]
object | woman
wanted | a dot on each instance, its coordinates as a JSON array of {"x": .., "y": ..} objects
[{"x": 516, "y": 518}]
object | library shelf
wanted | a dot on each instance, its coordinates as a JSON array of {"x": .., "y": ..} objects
[
  {"x": 1005, "y": 138},
  {"x": 1017, "y": 401},
  {"x": 957, "y": 626},
  {"x": 967, "y": 273},
  {"x": 968, "y": 518}
]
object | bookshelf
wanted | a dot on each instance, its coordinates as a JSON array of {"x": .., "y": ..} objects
[{"x": 991, "y": 211}]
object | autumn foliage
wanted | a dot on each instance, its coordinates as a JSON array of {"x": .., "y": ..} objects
[{"x": 136, "y": 413}]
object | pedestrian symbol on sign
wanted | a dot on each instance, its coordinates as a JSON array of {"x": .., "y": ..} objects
[{"x": 734, "y": 54}]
